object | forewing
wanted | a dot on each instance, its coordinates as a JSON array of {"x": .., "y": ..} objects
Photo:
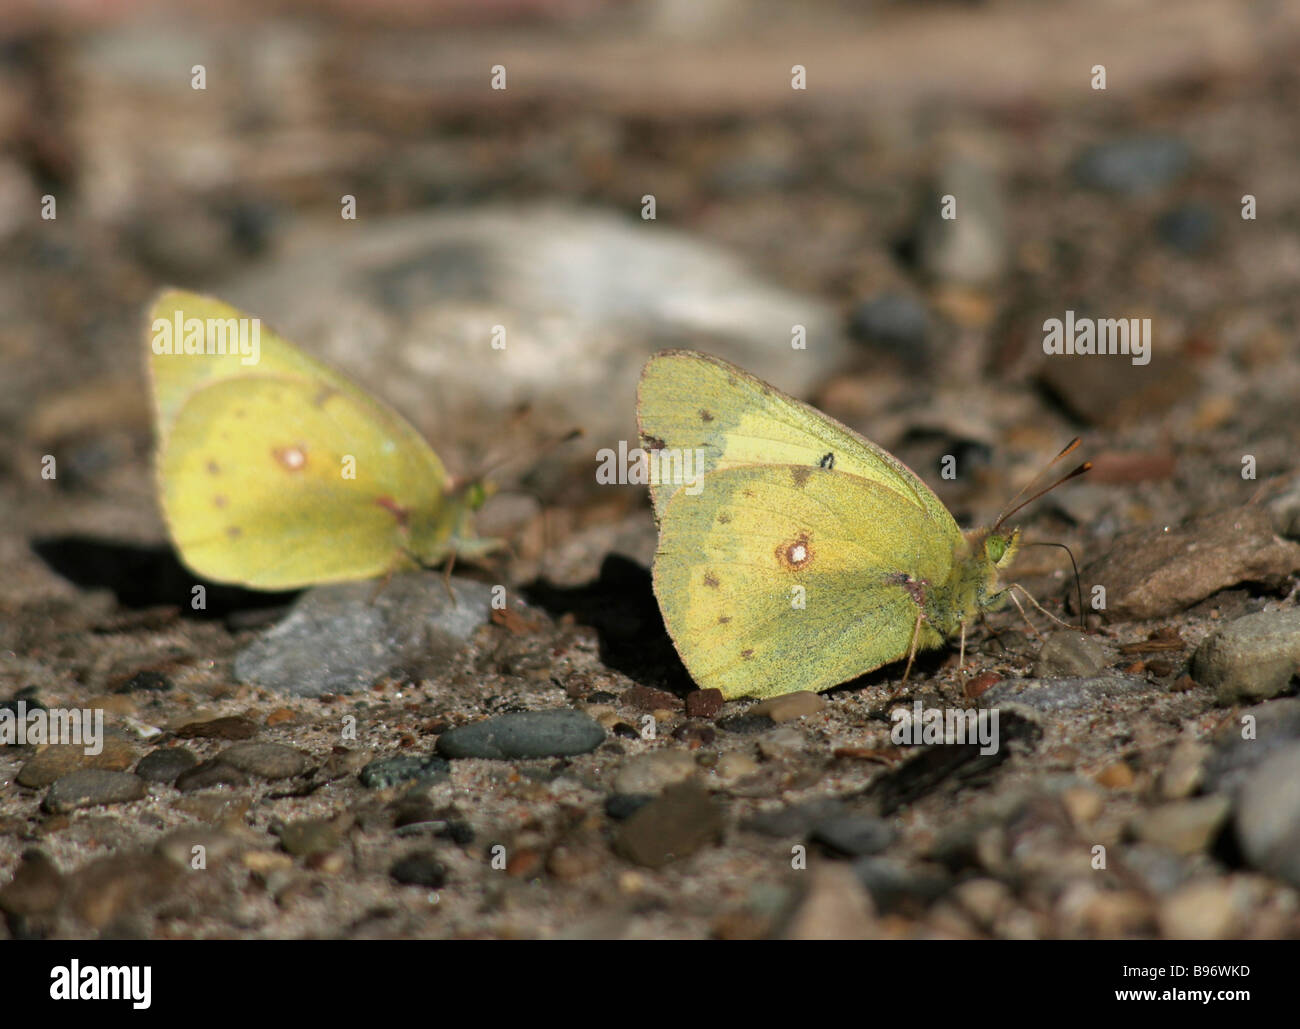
[{"x": 692, "y": 401}]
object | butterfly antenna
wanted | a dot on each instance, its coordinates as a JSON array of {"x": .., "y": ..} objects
[
  {"x": 1011, "y": 507},
  {"x": 544, "y": 448},
  {"x": 1078, "y": 584}
]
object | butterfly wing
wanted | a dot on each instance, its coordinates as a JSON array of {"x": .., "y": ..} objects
[
  {"x": 692, "y": 401},
  {"x": 281, "y": 481},
  {"x": 776, "y": 578},
  {"x": 216, "y": 354}
]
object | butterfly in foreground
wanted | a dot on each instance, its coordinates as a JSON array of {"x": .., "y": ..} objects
[
  {"x": 275, "y": 472},
  {"x": 793, "y": 553}
]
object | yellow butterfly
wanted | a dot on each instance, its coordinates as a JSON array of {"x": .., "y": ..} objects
[
  {"x": 793, "y": 553},
  {"x": 275, "y": 472}
]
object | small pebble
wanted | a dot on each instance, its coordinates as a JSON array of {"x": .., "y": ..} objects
[
  {"x": 1135, "y": 165},
  {"x": 734, "y": 765},
  {"x": 266, "y": 760},
  {"x": 390, "y": 771},
  {"x": 835, "y": 907},
  {"x": 674, "y": 825},
  {"x": 650, "y": 773},
  {"x": 781, "y": 743},
  {"x": 165, "y": 764},
  {"x": 646, "y": 698},
  {"x": 620, "y": 806},
  {"x": 524, "y": 734},
  {"x": 1117, "y": 776},
  {"x": 704, "y": 703},
  {"x": 420, "y": 869},
  {"x": 36, "y": 886},
  {"x": 790, "y": 706},
  {"x": 1069, "y": 653},
  {"x": 59, "y": 759},
  {"x": 1268, "y": 815},
  {"x": 1251, "y": 658},
  {"x": 91, "y": 786},
  {"x": 746, "y": 724},
  {"x": 208, "y": 774},
  {"x": 1185, "y": 770},
  {"x": 231, "y": 728},
  {"x": 1183, "y": 826},
  {"x": 197, "y": 847},
  {"x": 1199, "y": 911},
  {"x": 854, "y": 835},
  {"x": 310, "y": 836}
]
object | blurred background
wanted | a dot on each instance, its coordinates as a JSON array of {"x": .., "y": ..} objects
[{"x": 774, "y": 206}]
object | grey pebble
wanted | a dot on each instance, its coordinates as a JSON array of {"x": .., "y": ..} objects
[
  {"x": 1251, "y": 658},
  {"x": 894, "y": 885},
  {"x": 620, "y": 806},
  {"x": 1268, "y": 815},
  {"x": 391, "y": 771},
  {"x": 745, "y": 725},
  {"x": 1139, "y": 164},
  {"x": 795, "y": 819},
  {"x": 524, "y": 734},
  {"x": 266, "y": 760},
  {"x": 1060, "y": 694},
  {"x": 165, "y": 764},
  {"x": 90, "y": 786},
  {"x": 343, "y": 638},
  {"x": 895, "y": 324},
  {"x": 1255, "y": 734},
  {"x": 1069, "y": 653},
  {"x": 854, "y": 835},
  {"x": 972, "y": 247}
]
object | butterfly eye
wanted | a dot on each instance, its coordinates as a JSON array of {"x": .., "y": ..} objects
[{"x": 996, "y": 548}]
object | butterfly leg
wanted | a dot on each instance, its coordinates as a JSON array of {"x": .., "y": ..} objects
[
  {"x": 961, "y": 654},
  {"x": 381, "y": 585},
  {"x": 446, "y": 579},
  {"x": 1030, "y": 597},
  {"x": 1021, "y": 608},
  {"x": 916, "y": 635}
]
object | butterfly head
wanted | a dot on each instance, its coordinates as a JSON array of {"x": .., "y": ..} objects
[
  {"x": 476, "y": 493},
  {"x": 1000, "y": 547}
]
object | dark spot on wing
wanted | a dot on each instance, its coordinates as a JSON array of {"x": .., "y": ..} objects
[
  {"x": 294, "y": 457},
  {"x": 711, "y": 580},
  {"x": 219, "y": 501},
  {"x": 800, "y": 475},
  {"x": 723, "y": 619},
  {"x": 213, "y": 468},
  {"x": 653, "y": 442},
  {"x": 796, "y": 554},
  {"x": 747, "y": 493},
  {"x": 747, "y": 653},
  {"x": 827, "y": 461},
  {"x": 234, "y": 532},
  {"x": 705, "y": 416},
  {"x": 723, "y": 518}
]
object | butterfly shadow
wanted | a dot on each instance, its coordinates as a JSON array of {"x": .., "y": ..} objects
[
  {"x": 146, "y": 576},
  {"x": 620, "y": 605}
]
